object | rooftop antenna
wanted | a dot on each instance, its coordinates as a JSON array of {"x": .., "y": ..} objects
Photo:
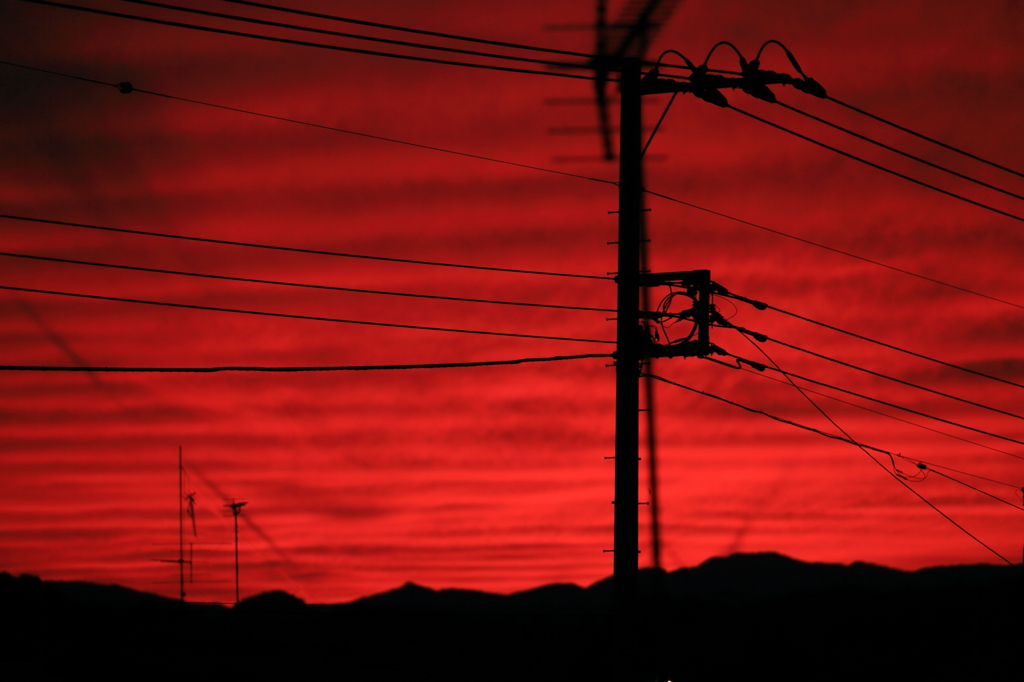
[
  {"x": 236, "y": 509},
  {"x": 191, "y": 511},
  {"x": 181, "y": 526},
  {"x": 181, "y": 560}
]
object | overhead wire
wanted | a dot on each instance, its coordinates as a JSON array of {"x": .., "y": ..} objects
[
  {"x": 545, "y": 170},
  {"x": 887, "y": 404},
  {"x": 792, "y": 60},
  {"x": 846, "y": 438},
  {"x": 833, "y": 249},
  {"x": 923, "y": 137},
  {"x": 294, "y": 249},
  {"x": 896, "y": 474},
  {"x": 405, "y": 29},
  {"x": 353, "y": 36},
  {"x": 720, "y": 43},
  {"x": 312, "y": 125},
  {"x": 874, "y": 341},
  {"x": 848, "y": 155},
  {"x": 804, "y": 391},
  {"x": 899, "y": 476},
  {"x": 325, "y": 368},
  {"x": 832, "y": 436},
  {"x": 324, "y": 287},
  {"x": 671, "y": 199},
  {"x": 899, "y": 151},
  {"x": 910, "y": 384},
  {"x": 789, "y": 380},
  {"x": 300, "y": 317},
  {"x": 36, "y": 368},
  {"x": 661, "y": 119},
  {"x": 761, "y": 375},
  {"x": 438, "y": 34},
  {"x": 974, "y": 488},
  {"x": 305, "y": 43},
  {"x": 965, "y": 473},
  {"x": 904, "y": 457}
]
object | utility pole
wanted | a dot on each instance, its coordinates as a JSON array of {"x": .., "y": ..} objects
[
  {"x": 634, "y": 343},
  {"x": 628, "y": 347},
  {"x": 620, "y": 46}
]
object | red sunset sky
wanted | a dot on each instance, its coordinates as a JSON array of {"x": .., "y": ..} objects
[{"x": 492, "y": 478}]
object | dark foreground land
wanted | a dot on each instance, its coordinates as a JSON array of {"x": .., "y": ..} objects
[{"x": 747, "y": 614}]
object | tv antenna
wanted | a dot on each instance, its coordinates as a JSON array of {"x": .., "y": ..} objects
[
  {"x": 236, "y": 509},
  {"x": 181, "y": 560}
]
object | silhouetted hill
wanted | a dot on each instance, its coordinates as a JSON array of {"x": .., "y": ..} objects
[
  {"x": 745, "y": 614},
  {"x": 740, "y": 578}
]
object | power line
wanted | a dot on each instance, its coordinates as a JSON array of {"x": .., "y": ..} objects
[
  {"x": 882, "y": 402},
  {"x": 833, "y": 249},
  {"x": 746, "y": 333},
  {"x": 965, "y": 473},
  {"x": 846, "y": 439},
  {"x": 761, "y": 375},
  {"x": 326, "y": 368},
  {"x": 877, "y": 342},
  {"x": 877, "y": 166},
  {"x": 381, "y": 138},
  {"x": 293, "y": 249},
  {"x": 816, "y": 406},
  {"x": 897, "y": 476},
  {"x": 304, "y": 43},
  {"x": 57, "y": 73},
  {"x": 300, "y": 317},
  {"x": 297, "y": 284},
  {"x": 451, "y": 36},
  {"x": 918, "y": 462},
  {"x": 898, "y": 151},
  {"x": 354, "y": 36},
  {"x": 541, "y": 169},
  {"x": 924, "y": 137},
  {"x": 663, "y": 196},
  {"x": 392, "y": 27},
  {"x": 974, "y": 488}
]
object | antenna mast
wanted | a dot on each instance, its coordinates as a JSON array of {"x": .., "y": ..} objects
[
  {"x": 181, "y": 527},
  {"x": 236, "y": 509}
]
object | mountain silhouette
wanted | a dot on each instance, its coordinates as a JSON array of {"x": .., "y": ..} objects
[{"x": 744, "y": 614}]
